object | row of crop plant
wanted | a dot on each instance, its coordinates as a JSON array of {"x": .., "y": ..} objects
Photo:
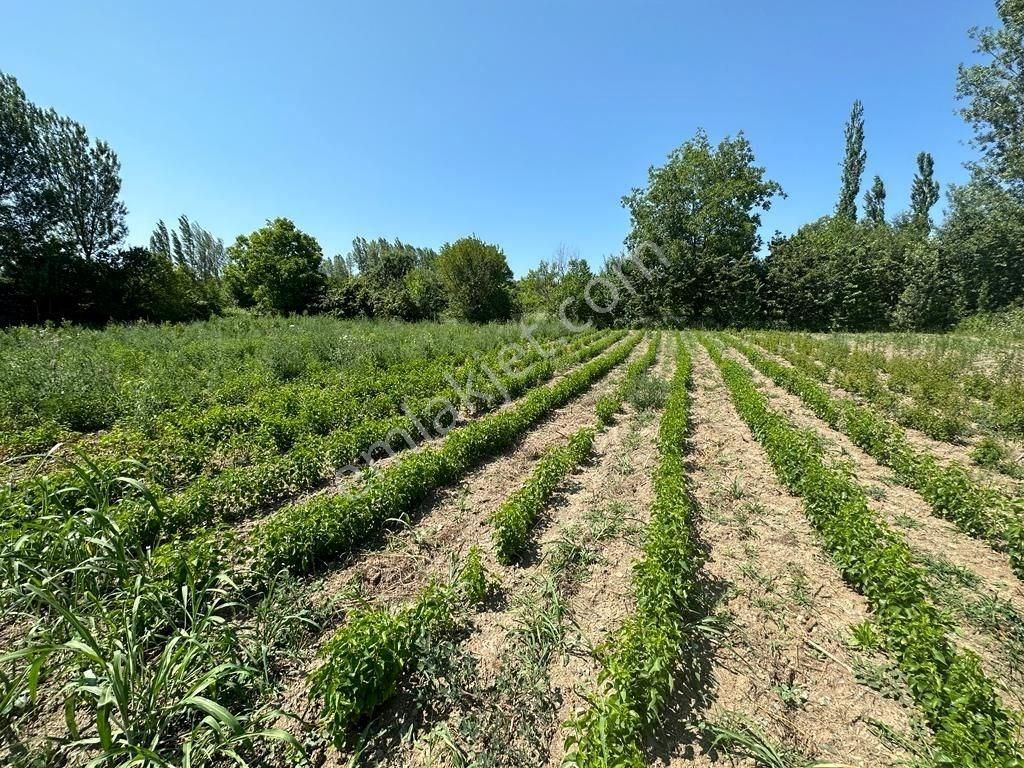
[
  {"x": 640, "y": 662},
  {"x": 959, "y": 702},
  {"x": 941, "y": 393},
  {"x": 143, "y": 518},
  {"x": 365, "y": 659},
  {"x": 978, "y": 510},
  {"x": 76, "y": 607},
  {"x": 513, "y": 521}
]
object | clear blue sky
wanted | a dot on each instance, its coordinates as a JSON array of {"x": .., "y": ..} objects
[{"x": 522, "y": 122}]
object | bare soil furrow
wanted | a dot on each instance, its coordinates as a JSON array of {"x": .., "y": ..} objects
[
  {"x": 933, "y": 539},
  {"x": 783, "y": 663},
  {"x": 617, "y": 492},
  {"x": 443, "y": 530}
]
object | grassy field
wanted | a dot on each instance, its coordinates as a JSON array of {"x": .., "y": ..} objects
[{"x": 312, "y": 542}]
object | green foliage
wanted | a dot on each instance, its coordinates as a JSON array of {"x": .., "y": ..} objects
[
  {"x": 61, "y": 218},
  {"x": 329, "y": 526},
  {"x": 994, "y": 91},
  {"x": 958, "y": 700},
  {"x": 386, "y": 280},
  {"x": 836, "y": 274},
  {"x": 477, "y": 280},
  {"x": 982, "y": 241},
  {"x": 153, "y": 673},
  {"x": 855, "y": 159},
  {"x": 310, "y": 459},
  {"x": 639, "y": 663},
  {"x": 977, "y": 510},
  {"x": 195, "y": 258},
  {"x": 928, "y": 302},
  {"x": 364, "y": 660},
  {"x": 276, "y": 269},
  {"x": 874, "y": 202},
  {"x": 924, "y": 193},
  {"x": 1007, "y": 323},
  {"x": 83, "y": 183},
  {"x": 559, "y": 289},
  {"x": 631, "y": 385},
  {"x": 515, "y": 518},
  {"x": 701, "y": 210},
  {"x": 993, "y": 454}
]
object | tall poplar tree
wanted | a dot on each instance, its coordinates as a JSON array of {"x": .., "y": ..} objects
[
  {"x": 853, "y": 163},
  {"x": 994, "y": 92},
  {"x": 924, "y": 193}
]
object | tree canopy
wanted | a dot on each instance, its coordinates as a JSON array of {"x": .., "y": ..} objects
[
  {"x": 277, "y": 268},
  {"x": 477, "y": 280},
  {"x": 701, "y": 211}
]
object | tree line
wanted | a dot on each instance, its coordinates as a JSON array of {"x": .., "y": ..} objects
[
  {"x": 62, "y": 226},
  {"x": 693, "y": 256},
  {"x": 858, "y": 268}
]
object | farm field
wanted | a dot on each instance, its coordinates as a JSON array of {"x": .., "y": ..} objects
[{"x": 314, "y": 542}]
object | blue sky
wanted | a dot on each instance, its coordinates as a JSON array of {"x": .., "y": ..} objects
[{"x": 523, "y": 123}]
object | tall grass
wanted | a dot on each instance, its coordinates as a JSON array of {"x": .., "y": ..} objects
[{"x": 149, "y": 672}]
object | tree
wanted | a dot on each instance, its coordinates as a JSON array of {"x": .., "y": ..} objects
[
  {"x": 928, "y": 301},
  {"x": 27, "y": 256},
  {"x": 476, "y": 279},
  {"x": 982, "y": 244},
  {"x": 395, "y": 280},
  {"x": 83, "y": 182},
  {"x": 22, "y": 200},
  {"x": 994, "y": 91},
  {"x": 874, "y": 202},
  {"x": 834, "y": 274},
  {"x": 924, "y": 193},
  {"x": 338, "y": 267},
  {"x": 190, "y": 247},
  {"x": 694, "y": 235},
  {"x": 538, "y": 289},
  {"x": 558, "y": 287},
  {"x": 276, "y": 269},
  {"x": 853, "y": 163}
]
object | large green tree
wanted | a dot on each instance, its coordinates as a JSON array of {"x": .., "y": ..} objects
[
  {"x": 191, "y": 247},
  {"x": 982, "y": 243},
  {"x": 836, "y": 274},
  {"x": 559, "y": 287},
  {"x": 694, "y": 237},
  {"x": 22, "y": 200},
  {"x": 854, "y": 161},
  {"x": 477, "y": 280},
  {"x": 276, "y": 269},
  {"x": 83, "y": 180},
  {"x": 61, "y": 218},
  {"x": 994, "y": 92},
  {"x": 399, "y": 280}
]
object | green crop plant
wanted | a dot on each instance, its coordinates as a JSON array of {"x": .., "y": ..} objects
[
  {"x": 515, "y": 518},
  {"x": 958, "y": 700},
  {"x": 977, "y": 510},
  {"x": 331, "y": 526},
  {"x": 363, "y": 662},
  {"x": 149, "y": 673},
  {"x": 610, "y": 404},
  {"x": 639, "y": 662}
]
